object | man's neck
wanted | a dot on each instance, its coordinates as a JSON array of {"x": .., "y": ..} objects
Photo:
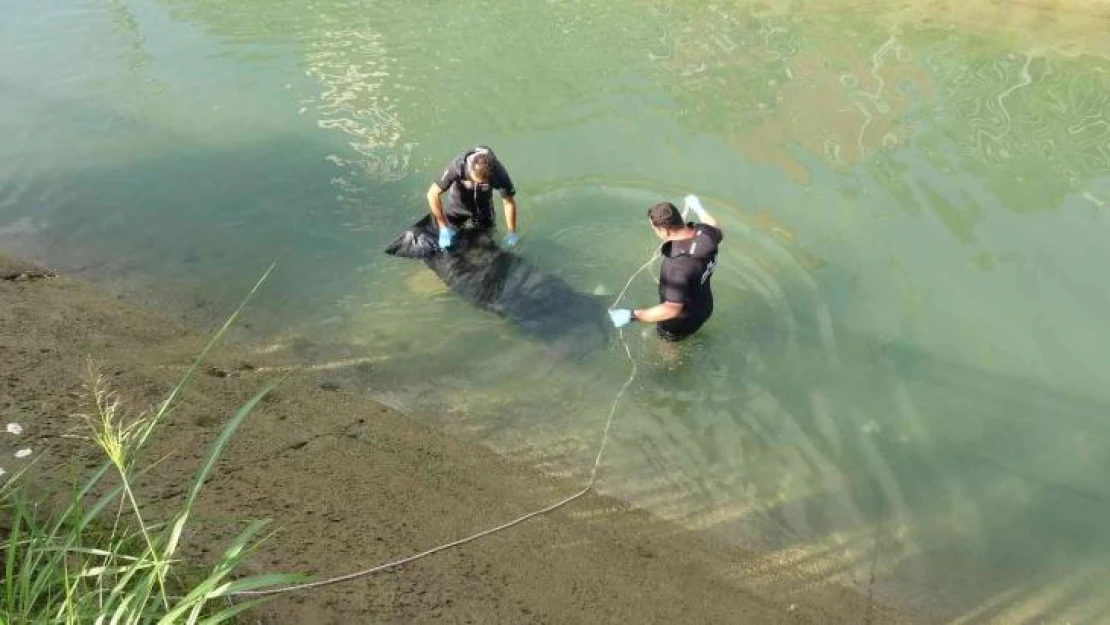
[{"x": 681, "y": 235}]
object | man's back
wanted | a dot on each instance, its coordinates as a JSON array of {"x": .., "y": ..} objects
[{"x": 687, "y": 269}]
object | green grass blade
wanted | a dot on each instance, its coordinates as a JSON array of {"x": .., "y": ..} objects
[
  {"x": 229, "y": 613},
  {"x": 73, "y": 533},
  {"x": 103, "y": 553},
  {"x": 221, "y": 441},
  {"x": 194, "y": 614},
  {"x": 121, "y": 610},
  {"x": 11, "y": 549},
  {"x": 234, "y": 551},
  {"x": 79, "y": 496},
  {"x": 209, "y": 587},
  {"x": 256, "y": 582},
  {"x": 175, "y": 532},
  {"x": 167, "y": 404},
  {"x": 213, "y": 453}
]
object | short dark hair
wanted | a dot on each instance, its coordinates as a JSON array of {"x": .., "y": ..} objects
[
  {"x": 665, "y": 215},
  {"x": 481, "y": 165}
]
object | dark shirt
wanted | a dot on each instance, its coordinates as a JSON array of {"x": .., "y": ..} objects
[
  {"x": 468, "y": 201},
  {"x": 686, "y": 272}
]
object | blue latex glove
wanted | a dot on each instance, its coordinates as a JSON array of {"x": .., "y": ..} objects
[
  {"x": 620, "y": 317},
  {"x": 446, "y": 237},
  {"x": 511, "y": 239}
]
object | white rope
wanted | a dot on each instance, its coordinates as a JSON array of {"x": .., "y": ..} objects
[{"x": 504, "y": 526}]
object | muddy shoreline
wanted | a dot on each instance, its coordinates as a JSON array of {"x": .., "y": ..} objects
[{"x": 350, "y": 483}]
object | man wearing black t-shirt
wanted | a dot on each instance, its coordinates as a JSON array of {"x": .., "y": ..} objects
[
  {"x": 469, "y": 181},
  {"x": 689, "y": 257}
]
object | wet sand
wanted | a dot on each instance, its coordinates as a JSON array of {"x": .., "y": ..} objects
[{"x": 350, "y": 483}]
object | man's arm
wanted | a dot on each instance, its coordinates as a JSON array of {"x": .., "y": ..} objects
[
  {"x": 451, "y": 174},
  {"x": 509, "y": 202},
  {"x": 708, "y": 219},
  {"x": 657, "y": 313},
  {"x": 503, "y": 182},
  {"x": 675, "y": 280},
  {"x": 436, "y": 205},
  {"x": 694, "y": 204}
]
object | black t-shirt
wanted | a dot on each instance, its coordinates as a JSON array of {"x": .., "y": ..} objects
[
  {"x": 687, "y": 269},
  {"x": 467, "y": 200}
]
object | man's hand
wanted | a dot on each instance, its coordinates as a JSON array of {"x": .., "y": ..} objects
[
  {"x": 693, "y": 204},
  {"x": 620, "y": 317},
  {"x": 446, "y": 237}
]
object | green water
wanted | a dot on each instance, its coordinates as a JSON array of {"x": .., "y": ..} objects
[{"x": 904, "y": 385}]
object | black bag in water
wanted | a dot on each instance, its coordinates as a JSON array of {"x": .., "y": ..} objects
[
  {"x": 476, "y": 269},
  {"x": 419, "y": 241}
]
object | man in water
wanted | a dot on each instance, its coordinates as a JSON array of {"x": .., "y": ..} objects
[
  {"x": 689, "y": 256},
  {"x": 480, "y": 271},
  {"x": 469, "y": 181}
]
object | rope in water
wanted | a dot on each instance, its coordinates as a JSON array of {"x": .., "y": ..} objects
[{"x": 504, "y": 526}]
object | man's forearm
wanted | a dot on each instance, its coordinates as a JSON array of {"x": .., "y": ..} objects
[
  {"x": 657, "y": 313},
  {"x": 694, "y": 204},
  {"x": 510, "y": 213},
  {"x": 436, "y": 206},
  {"x": 437, "y": 211}
]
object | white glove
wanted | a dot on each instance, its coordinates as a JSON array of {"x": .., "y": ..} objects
[
  {"x": 620, "y": 317},
  {"x": 692, "y": 203}
]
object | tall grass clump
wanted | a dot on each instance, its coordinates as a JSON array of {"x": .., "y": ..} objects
[{"x": 96, "y": 557}]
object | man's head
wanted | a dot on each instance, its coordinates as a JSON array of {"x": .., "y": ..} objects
[
  {"x": 665, "y": 219},
  {"x": 479, "y": 165}
]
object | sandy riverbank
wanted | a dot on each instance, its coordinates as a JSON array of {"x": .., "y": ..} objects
[{"x": 350, "y": 483}]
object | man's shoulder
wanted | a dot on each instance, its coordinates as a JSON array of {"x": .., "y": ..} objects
[
  {"x": 457, "y": 164},
  {"x": 500, "y": 179},
  {"x": 713, "y": 233},
  {"x": 454, "y": 169}
]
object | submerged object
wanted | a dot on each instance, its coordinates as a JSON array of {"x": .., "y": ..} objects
[{"x": 543, "y": 306}]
